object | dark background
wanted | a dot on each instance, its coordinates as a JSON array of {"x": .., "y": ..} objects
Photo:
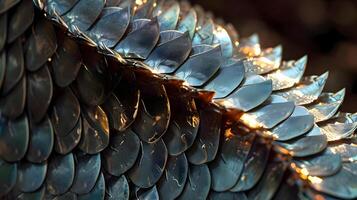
[{"x": 325, "y": 30}]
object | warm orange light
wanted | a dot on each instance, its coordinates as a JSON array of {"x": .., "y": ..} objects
[{"x": 250, "y": 120}]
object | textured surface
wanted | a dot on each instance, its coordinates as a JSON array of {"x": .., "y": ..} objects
[{"x": 100, "y": 111}]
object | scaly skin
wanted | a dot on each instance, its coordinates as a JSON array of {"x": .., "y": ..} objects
[{"x": 124, "y": 99}]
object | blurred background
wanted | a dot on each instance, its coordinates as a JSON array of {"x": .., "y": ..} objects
[{"x": 325, "y": 30}]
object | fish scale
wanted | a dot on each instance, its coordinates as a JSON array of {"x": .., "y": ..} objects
[{"x": 162, "y": 101}]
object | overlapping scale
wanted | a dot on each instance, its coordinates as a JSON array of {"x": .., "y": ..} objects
[
  {"x": 122, "y": 107},
  {"x": 251, "y": 94},
  {"x": 205, "y": 146},
  {"x": 299, "y": 123},
  {"x": 145, "y": 194},
  {"x": 87, "y": 169},
  {"x": 228, "y": 78},
  {"x": 249, "y": 46},
  {"x": 228, "y": 166},
  {"x": 254, "y": 166},
  {"x": 3, "y": 30},
  {"x": 142, "y": 128},
  {"x": 13, "y": 104},
  {"x": 289, "y": 74},
  {"x": 198, "y": 183},
  {"x": 174, "y": 178},
  {"x": 98, "y": 192},
  {"x": 338, "y": 128},
  {"x": 30, "y": 176},
  {"x": 65, "y": 144},
  {"x": 36, "y": 195},
  {"x": 204, "y": 31},
  {"x": 222, "y": 38},
  {"x": 188, "y": 22},
  {"x": 141, "y": 41},
  {"x": 66, "y": 62},
  {"x": 268, "y": 60},
  {"x": 307, "y": 91},
  {"x": 183, "y": 127},
  {"x": 346, "y": 151},
  {"x": 201, "y": 65},
  {"x": 171, "y": 53},
  {"x": 94, "y": 94},
  {"x": 326, "y": 105},
  {"x": 60, "y": 7},
  {"x": 270, "y": 113},
  {"x": 39, "y": 93},
  {"x": 41, "y": 141},
  {"x": 95, "y": 137},
  {"x": 20, "y": 20},
  {"x": 340, "y": 185},
  {"x": 150, "y": 165},
  {"x": 14, "y": 138},
  {"x": 168, "y": 15},
  {"x": 8, "y": 179},
  {"x": 353, "y": 116},
  {"x": 65, "y": 112},
  {"x": 83, "y": 14},
  {"x": 129, "y": 98},
  {"x": 312, "y": 143},
  {"x": 144, "y": 9},
  {"x": 153, "y": 115},
  {"x": 325, "y": 164},
  {"x": 41, "y": 45},
  {"x": 270, "y": 181},
  {"x": 60, "y": 174},
  {"x": 115, "y": 111},
  {"x": 111, "y": 26},
  {"x": 122, "y": 152},
  {"x": 14, "y": 67},
  {"x": 117, "y": 188},
  {"x": 95, "y": 80},
  {"x": 350, "y": 166}
]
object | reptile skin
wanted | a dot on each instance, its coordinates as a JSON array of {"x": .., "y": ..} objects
[{"x": 145, "y": 99}]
